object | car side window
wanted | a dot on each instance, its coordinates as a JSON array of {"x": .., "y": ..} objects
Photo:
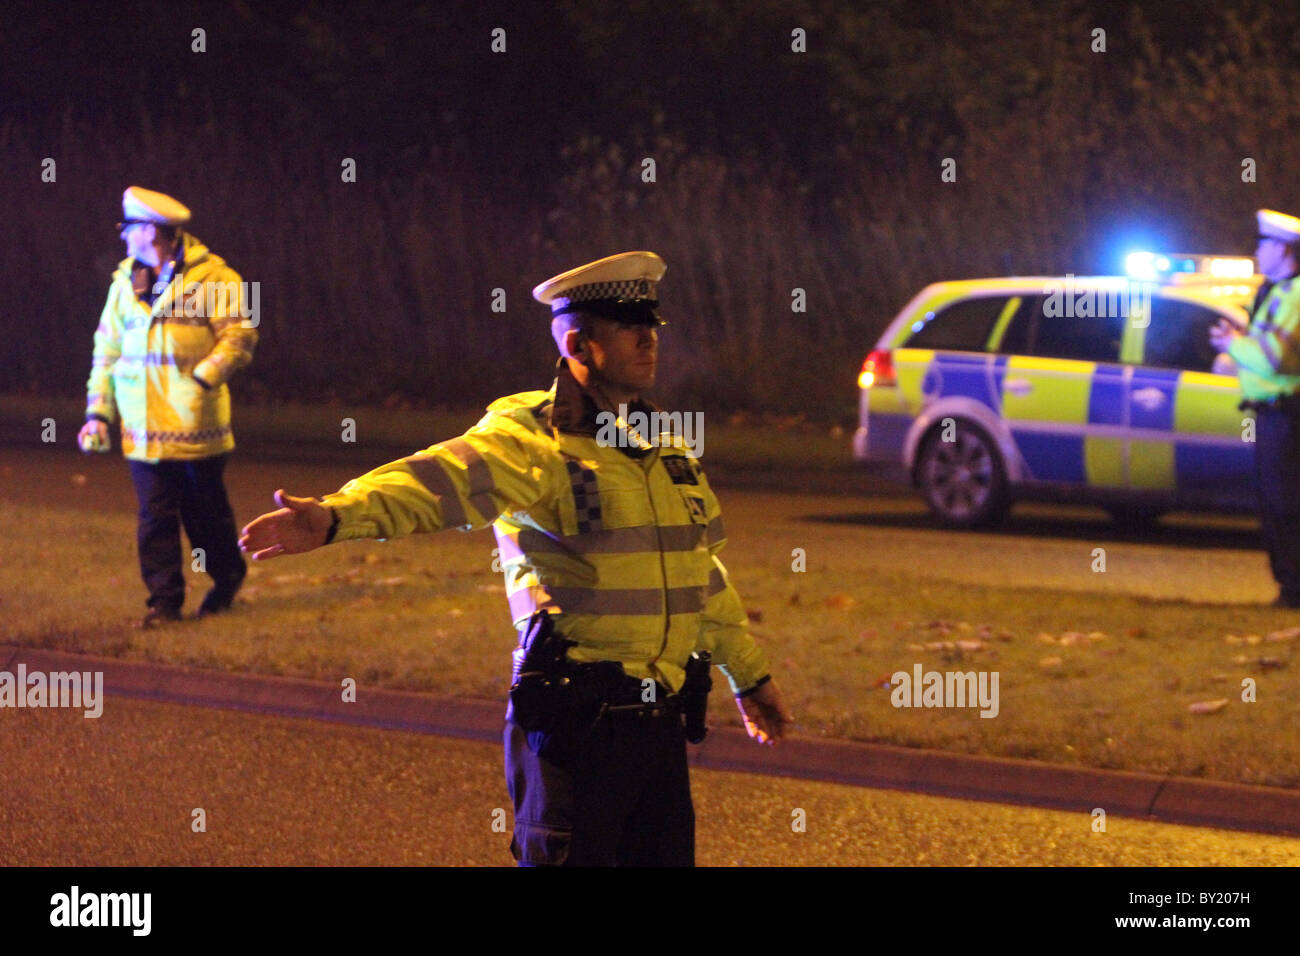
[
  {"x": 1178, "y": 336},
  {"x": 1018, "y": 337},
  {"x": 963, "y": 326},
  {"x": 1087, "y": 339}
]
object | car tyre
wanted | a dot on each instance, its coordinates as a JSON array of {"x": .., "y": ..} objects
[{"x": 963, "y": 481}]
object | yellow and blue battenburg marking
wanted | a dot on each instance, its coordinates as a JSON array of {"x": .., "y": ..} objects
[{"x": 1097, "y": 424}]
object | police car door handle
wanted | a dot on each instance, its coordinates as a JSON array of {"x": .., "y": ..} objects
[
  {"x": 1018, "y": 386},
  {"x": 1149, "y": 398}
]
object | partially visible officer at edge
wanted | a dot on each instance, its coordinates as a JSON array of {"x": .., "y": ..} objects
[
  {"x": 613, "y": 548},
  {"x": 171, "y": 333},
  {"x": 1267, "y": 356}
]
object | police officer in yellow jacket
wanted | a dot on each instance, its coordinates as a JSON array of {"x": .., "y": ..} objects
[
  {"x": 175, "y": 327},
  {"x": 612, "y": 533},
  {"x": 1267, "y": 356}
]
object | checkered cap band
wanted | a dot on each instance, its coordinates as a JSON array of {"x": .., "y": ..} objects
[{"x": 633, "y": 290}]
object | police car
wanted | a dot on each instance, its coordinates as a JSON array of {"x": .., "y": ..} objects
[{"x": 1099, "y": 389}]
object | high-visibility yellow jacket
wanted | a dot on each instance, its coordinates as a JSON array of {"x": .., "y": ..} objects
[
  {"x": 622, "y": 547},
  {"x": 1268, "y": 356},
  {"x": 149, "y": 361}
]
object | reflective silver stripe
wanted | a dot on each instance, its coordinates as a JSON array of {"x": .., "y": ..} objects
[
  {"x": 523, "y": 603},
  {"x": 682, "y": 537},
  {"x": 1269, "y": 349},
  {"x": 685, "y": 600},
  {"x": 717, "y": 583},
  {"x": 477, "y": 473},
  {"x": 631, "y": 601},
  {"x": 433, "y": 476},
  {"x": 716, "y": 531}
]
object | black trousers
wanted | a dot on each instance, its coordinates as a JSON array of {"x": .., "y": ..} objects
[
  {"x": 620, "y": 795},
  {"x": 172, "y": 493},
  {"x": 1277, "y": 473}
]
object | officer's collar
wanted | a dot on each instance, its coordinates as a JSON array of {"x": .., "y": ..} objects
[{"x": 576, "y": 407}]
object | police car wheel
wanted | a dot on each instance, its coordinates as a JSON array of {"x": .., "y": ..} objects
[{"x": 963, "y": 480}]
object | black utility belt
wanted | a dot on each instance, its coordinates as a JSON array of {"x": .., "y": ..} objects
[{"x": 625, "y": 695}]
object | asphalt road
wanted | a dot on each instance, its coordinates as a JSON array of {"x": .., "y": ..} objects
[{"x": 122, "y": 790}]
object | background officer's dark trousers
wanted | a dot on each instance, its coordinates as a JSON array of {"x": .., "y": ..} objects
[
  {"x": 619, "y": 797},
  {"x": 172, "y": 493},
  {"x": 1277, "y": 472}
]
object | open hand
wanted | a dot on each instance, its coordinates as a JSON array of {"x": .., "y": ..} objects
[
  {"x": 300, "y": 525},
  {"x": 765, "y": 714}
]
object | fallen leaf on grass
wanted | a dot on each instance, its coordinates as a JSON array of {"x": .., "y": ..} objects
[
  {"x": 840, "y": 601},
  {"x": 1208, "y": 706},
  {"x": 1288, "y": 634},
  {"x": 1048, "y": 662},
  {"x": 1271, "y": 663},
  {"x": 754, "y": 614}
]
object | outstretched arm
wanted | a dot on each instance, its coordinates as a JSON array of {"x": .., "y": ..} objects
[
  {"x": 466, "y": 482},
  {"x": 301, "y": 524}
]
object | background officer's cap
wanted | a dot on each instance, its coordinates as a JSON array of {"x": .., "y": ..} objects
[
  {"x": 145, "y": 205},
  {"x": 1278, "y": 225},
  {"x": 622, "y": 287}
]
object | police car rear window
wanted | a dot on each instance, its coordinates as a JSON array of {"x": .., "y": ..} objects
[{"x": 961, "y": 327}]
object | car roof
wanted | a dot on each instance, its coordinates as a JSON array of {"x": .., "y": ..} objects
[
  {"x": 1196, "y": 288},
  {"x": 1231, "y": 294}
]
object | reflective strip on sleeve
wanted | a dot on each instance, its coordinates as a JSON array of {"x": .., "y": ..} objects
[
  {"x": 433, "y": 476},
  {"x": 1267, "y": 346},
  {"x": 716, "y": 531},
  {"x": 717, "y": 583},
  {"x": 478, "y": 473}
]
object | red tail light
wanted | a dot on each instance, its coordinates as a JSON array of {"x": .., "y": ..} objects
[{"x": 877, "y": 369}]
